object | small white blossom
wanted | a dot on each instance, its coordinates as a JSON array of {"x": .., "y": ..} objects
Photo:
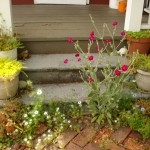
[
  {"x": 79, "y": 102},
  {"x": 142, "y": 109},
  {"x": 36, "y": 112},
  {"x": 25, "y": 139},
  {"x": 70, "y": 126},
  {"x": 39, "y": 92},
  {"x": 26, "y": 123},
  {"x": 48, "y": 117},
  {"x": 30, "y": 137},
  {"x": 25, "y": 115},
  {"x": 44, "y": 135},
  {"x": 69, "y": 121},
  {"x": 39, "y": 140},
  {"x": 49, "y": 131},
  {"x": 16, "y": 130},
  {"x": 57, "y": 109},
  {"x": 30, "y": 120},
  {"x": 45, "y": 113}
]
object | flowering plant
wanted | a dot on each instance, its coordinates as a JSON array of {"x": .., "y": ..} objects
[{"x": 104, "y": 96}]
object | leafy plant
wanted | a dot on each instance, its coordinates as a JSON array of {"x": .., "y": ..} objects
[
  {"x": 142, "y": 62},
  {"x": 139, "y": 34},
  {"x": 8, "y": 40},
  {"x": 8, "y": 68}
]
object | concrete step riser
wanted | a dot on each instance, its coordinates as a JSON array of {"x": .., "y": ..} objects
[
  {"x": 50, "y": 77},
  {"x": 59, "y": 47}
]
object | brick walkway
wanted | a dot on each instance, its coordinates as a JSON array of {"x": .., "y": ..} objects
[{"x": 103, "y": 139}]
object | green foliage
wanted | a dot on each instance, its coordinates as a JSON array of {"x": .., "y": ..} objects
[
  {"x": 138, "y": 122},
  {"x": 9, "y": 67},
  {"x": 8, "y": 40},
  {"x": 142, "y": 62},
  {"x": 139, "y": 34}
]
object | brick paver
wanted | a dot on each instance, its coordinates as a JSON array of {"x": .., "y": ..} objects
[
  {"x": 84, "y": 137},
  {"x": 72, "y": 146},
  {"x": 114, "y": 146},
  {"x": 121, "y": 134},
  {"x": 64, "y": 138},
  {"x": 92, "y": 146}
]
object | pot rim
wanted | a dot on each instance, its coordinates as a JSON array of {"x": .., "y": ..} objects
[
  {"x": 10, "y": 77},
  {"x": 143, "y": 72}
]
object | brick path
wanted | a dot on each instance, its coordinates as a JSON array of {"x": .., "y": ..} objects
[{"x": 90, "y": 139}]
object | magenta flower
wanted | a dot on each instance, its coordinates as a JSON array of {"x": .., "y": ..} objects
[
  {"x": 91, "y": 80},
  {"x": 92, "y": 33},
  {"x": 76, "y": 55},
  {"x": 79, "y": 59},
  {"x": 107, "y": 41},
  {"x": 124, "y": 68},
  {"x": 115, "y": 23},
  {"x": 70, "y": 40},
  {"x": 117, "y": 72},
  {"x": 123, "y": 33},
  {"x": 91, "y": 38},
  {"x": 91, "y": 57},
  {"x": 87, "y": 51},
  {"x": 66, "y": 61}
]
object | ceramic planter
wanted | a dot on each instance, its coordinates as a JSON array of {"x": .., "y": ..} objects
[
  {"x": 143, "y": 80},
  {"x": 141, "y": 44},
  {"x": 9, "y": 87},
  {"x": 12, "y": 54}
]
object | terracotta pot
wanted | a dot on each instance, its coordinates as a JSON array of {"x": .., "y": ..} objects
[
  {"x": 9, "y": 87},
  {"x": 142, "y": 45},
  {"x": 12, "y": 54},
  {"x": 143, "y": 80}
]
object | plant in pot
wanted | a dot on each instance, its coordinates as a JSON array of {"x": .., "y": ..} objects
[
  {"x": 9, "y": 71},
  {"x": 9, "y": 42},
  {"x": 142, "y": 66},
  {"x": 138, "y": 41}
]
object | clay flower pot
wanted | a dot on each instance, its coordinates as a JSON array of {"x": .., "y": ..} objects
[
  {"x": 143, "y": 80},
  {"x": 142, "y": 45}
]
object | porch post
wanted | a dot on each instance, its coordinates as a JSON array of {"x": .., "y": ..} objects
[
  {"x": 5, "y": 10},
  {"x": 133, "y": 15}
]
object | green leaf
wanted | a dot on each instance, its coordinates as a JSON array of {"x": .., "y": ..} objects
[{"x": 94, "y": 119}]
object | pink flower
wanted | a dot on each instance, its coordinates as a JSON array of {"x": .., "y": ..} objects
[
  {"x": 92, "y": 33},
  {"x": 77, "y": 55},
  {"x": 91, "y": 57},
  {"x": 123, "y": 33},
  {"x": 91, "y": 80},
  {"x": 79, "y": 59},
  {"x": 117, "y": 72},
  {"x": 124, "y": 68},
  {"x": 107, "y": 41},
  {"x": 70, "y": 40},
  {"x": 66, "y": 61},
  {"x": 115, "y": 23},
  {"x": 91, "y": 38},
  {"x": 97, "y": 47}
]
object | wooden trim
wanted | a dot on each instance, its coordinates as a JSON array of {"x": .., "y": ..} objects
[
  {"x": 99, "y": 1},
  {"x": 18, "y": 2}
]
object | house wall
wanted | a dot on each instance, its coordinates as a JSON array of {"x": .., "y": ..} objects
[{"x": 17, "y": 2}]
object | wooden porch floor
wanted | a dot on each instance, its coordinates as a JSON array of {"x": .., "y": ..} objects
[{"x": 43, "y": 22}]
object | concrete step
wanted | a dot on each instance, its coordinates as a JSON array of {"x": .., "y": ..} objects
[
  {"x": 50, "y": 68},
  {"x": 59, "y": 46},
  {"x": 65, "y": 92}
]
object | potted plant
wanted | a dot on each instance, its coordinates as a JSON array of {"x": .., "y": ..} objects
[
  {"x": 142, "y": 66},
  {"x": 9, "y": 71},
  {"x": 138, "y": 41},
  {"x": 8, "y": 42}
]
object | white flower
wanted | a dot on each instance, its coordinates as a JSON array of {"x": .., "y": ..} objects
[
  {"x": 25, "y": 139},
  {"x": 57, "y": 109},
  {"x": 69, "y": 121},
  {"x": 30, "y": 137},
  {"x": 39, "y": 92},
  {"x": 122, "y": 51},
  {"x": 49, "y": 131},
  {"x": 25, "y": 115},
  {"x": 79, "y": 102},
  {"x": 44, "y": 135},
  {"x": 30, "y": 120},
  {"x": 16, "y": 130},
  {"x": 26, "y": 123},
  {"x": 36, "y": 112},
  {"x": 48, "y": 117},
  {"x": 70, "y": 126},
  {"x": 39, "y": 140},
  {"x": 142, "y": 109},
  {"x": 45, "y": 113}
]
